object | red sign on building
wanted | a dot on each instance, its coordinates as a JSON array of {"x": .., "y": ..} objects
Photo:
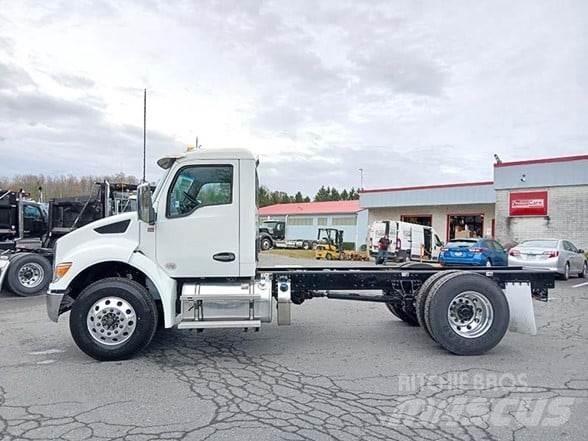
[{"x": 528, "y": 203}]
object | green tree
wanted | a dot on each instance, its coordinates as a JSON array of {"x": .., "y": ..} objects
[
  {"x": 298, "y": 197},
  {"x": 335, "y": 196}
]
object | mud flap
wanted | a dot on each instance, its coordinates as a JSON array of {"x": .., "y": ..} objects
[
  {"x": 4, "y": 264},
  {"x": 520, "y": 304}
]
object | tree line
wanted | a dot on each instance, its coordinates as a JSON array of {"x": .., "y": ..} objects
[
  {"x": 268, "y": 197},
  {"x": 60, "y": 186},
  {"x": 69, "y": 185}
]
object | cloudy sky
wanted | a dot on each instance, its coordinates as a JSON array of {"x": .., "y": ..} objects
[{"x": 413, "y": 92}]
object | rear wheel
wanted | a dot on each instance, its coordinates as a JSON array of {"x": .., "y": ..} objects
[
  {"x": 29, "y": 274},
  {"x": 467, "y": 313},
  {"x": 422, "y": 296},
  {"x": 403, "y": 314},
  {"x": 406, "y": 309},
  {"x": 566, "y": 274},
  {"x": 113, "y": 319}
]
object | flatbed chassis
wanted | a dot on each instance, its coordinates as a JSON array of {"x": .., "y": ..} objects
[{"x": 365, "y": 278}]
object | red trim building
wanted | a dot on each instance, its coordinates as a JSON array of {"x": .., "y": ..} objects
[{"x": 534, "y": 198}]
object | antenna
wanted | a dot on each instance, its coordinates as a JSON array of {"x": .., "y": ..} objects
[{"x": 144, "y": 130}]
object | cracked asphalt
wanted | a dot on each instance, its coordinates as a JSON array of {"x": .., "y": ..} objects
[{"x": 342, "y": 370}]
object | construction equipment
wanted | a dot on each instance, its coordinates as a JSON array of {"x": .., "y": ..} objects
[{"x": 330, "y": 244}]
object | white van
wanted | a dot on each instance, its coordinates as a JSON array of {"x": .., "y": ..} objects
[{"x": 407, "y": 241}]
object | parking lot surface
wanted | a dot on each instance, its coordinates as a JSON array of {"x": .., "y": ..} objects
[{"x": 342, "y": 370}]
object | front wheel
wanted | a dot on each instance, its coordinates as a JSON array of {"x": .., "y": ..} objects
[
  {"x": 29, "y": 274},
  {"x": 584, "y": 273},
  {"x": 266, "y": 244},
  {"x": 114, "y": 318}
]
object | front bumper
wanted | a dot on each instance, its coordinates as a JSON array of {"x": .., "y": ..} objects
[{"x": 54, "y": 300}]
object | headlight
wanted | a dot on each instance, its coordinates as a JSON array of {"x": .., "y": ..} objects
[{"x": 61, "y": 270}]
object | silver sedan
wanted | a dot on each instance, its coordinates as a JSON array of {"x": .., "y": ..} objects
[{"x": 556, "y": 255}]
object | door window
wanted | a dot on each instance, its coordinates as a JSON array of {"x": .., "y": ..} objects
[
  {"x": 199, "y": 186},
  {"x": 32, "y": 213}
]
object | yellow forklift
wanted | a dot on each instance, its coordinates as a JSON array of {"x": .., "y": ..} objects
[{"x": 330, "y": 244}]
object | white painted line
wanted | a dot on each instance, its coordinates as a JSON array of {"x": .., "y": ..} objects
[
  {"x": 46, "y": 362},
  {"x": 579, "y": 285},
  {"x": 47, "y": 352}
]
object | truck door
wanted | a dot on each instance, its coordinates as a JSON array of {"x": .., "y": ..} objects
[{"x": 197, "y": 230}]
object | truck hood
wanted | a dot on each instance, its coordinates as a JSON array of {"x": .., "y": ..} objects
[{"x": 123, "y": 227}]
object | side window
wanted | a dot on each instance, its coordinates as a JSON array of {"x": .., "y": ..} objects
[
  {"x": 32, "y": 213},
  {"x": 199, "y": 186},
  {"x": 570, "y": 247}
]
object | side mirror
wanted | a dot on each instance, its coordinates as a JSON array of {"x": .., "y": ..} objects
[
  {"x": 145, "y": 210},
  {"x": 580, "y": 251}
]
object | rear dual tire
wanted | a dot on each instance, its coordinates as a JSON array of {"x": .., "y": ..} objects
[{"x": 466, "y": 313}]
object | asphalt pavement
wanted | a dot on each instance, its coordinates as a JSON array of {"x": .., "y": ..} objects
[{"x": 342, "y": 370}]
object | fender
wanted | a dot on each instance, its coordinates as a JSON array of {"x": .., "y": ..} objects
[
  {"x": 165, "y": 285},
  {"x": 120, "y": 251}
]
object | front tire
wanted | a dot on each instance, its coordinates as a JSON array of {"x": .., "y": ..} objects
[
  {"x": 113, "y": 319},
  {"x": 266, "y": 244},
  {"x": 584, "y": 273},
  {"x": 29, "y": 274}
]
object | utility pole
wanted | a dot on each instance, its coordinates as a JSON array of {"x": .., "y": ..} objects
[
  {"x": 361, "y": 178},
  {"x": 144, "y": 131}
]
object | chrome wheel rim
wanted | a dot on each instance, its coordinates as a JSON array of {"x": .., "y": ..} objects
[
  {"x": 31, "y": 275},
  {"x": 111, "y": 321},
  {"x": 470, "y": 314}
]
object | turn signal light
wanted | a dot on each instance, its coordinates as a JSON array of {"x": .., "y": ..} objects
[{"x": 61, "y": 270}]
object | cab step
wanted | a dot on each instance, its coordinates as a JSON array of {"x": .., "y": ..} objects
[{"x": 219, "y": 324}]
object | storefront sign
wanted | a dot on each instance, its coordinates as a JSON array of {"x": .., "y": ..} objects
[{"x": 528, "y": 203}]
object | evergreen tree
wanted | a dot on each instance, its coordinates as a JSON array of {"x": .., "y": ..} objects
[
  {"x": 335, "y": 196},
  {"x": 344, "y": 195}
]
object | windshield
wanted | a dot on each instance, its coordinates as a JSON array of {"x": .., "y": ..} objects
[
  {"x": 160, "y": 183},
  {"x": 539, "y": 244}
]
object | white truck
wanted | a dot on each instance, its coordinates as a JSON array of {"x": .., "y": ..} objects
[
  {"x": 188, "y": 259},
  {"x": 407, "y": 241}
]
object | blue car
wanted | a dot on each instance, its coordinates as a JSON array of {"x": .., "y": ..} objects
[{"x": 478, "y": 252}]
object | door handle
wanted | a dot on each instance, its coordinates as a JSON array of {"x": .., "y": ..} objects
[{"x": 224, "y": 257}]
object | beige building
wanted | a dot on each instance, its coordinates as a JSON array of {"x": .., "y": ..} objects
[
  {"x": 465, "y": 209},
  {"x": 541, "y": 198}
]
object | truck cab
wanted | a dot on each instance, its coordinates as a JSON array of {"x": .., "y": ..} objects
[{"x": 196, "y": 233}]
